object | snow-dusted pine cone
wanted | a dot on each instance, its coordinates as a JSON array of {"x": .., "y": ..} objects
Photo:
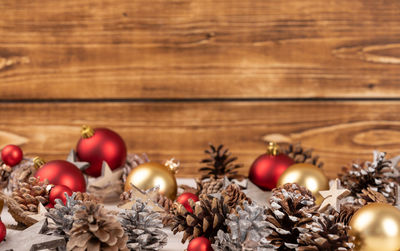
[
  {"x": 246, "y": 230},
  {"x": 5, "y": 173},
  {"x": 143, "y": 227},
  {"x": 95, "y": 228},
  {"x": 207, "y": 218},
  {"x": 290, "y": 210},
  {"x": 63, "y": 216},
  {"x": 325, "y": 233},
  {"x": 301, "y": 155},
  {"x": 132, "y": 161},
  {"x": 29, "y": 194},
  {"x": 375, "y": 175}
]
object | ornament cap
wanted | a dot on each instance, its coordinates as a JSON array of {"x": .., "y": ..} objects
[
  {"x": 273, "y": 148},
  {"x": 172, "y": 165},
  {"x": 87, "y": 131},
  {"x": 38, "y": 162}
]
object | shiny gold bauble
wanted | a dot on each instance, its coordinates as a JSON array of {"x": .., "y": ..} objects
[
  {"x": 376, "y": 227},
  {"x": 308, "y": 176},
  {"x": 151, "y": 174}
]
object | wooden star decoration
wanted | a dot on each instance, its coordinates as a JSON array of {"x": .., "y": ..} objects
[
  {"x": 108, "y": 177},
  {"x": 41, "y": 215},
  {"x": 32, "y": 239},
  {"x": 81, "y": 165},
  {"x": 147, "y": 196},
  {"x": 332, "y": 196}
]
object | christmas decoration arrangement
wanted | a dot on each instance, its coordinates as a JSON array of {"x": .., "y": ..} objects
[{"x": 65, "y": 204}]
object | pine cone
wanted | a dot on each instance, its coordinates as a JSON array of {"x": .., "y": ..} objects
[
  {"x": 325, "y": 233},
  {"x": 246, "y": 230},
  {"x": 301, "y": 155},
  {"x": 132, "y": 161},
  {"x": 30, "y": 194},
  {"x": 63, "y": 216},
  {"x": 21, "y": 173},
  {"x": 86, "y": 197},
  {"x": 207, "y": 218},
  {"x": 5, "y": 173},
  {"x": 143, "y": 227},
  {"x": 291, "y": 209},
  {"x": 368, "y": 196},
  {"x": 168, "y": 205},
  {"x": 233, "y": 196},
  {"x": 346, "y": 213},
  {"x": 95, "y": 228},
  {"x": 375, "y": 175},
  {"x": 220, "y": 163}
]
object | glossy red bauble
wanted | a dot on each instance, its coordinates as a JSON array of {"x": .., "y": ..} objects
[
  {"x": 58, "y": 192},
  {"x": 200, "y": 244},
  {"x": 184, "y": 200},
  {"x": 267, "y": 168},
  {"x": 11, "y": 155},
  {"x": 3, "y": 231},
  {"x": 61, "y": 172},
  {"x": 101, "y": 145}
]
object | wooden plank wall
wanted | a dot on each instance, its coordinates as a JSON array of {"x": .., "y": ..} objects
[{"x": 171, "y": 76}]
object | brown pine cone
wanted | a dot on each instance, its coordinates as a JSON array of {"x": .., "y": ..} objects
[
  {"x": 211, "y": 185},
  {"x": 95, "y": 228},
  {"x": 290, "y": 210},
  {"x": 168, "y": 205},
  {"x": 21, "y": 173},
  {"x": 86, "y": 197},
  {"x": 207, "y": 218},
  {"x": 5, "y": 173},
  {"x": 301, "y": 155},
  {"x": 29, "y": 194},
  {"x": 346, "y": 213},
  {"x": 233, "y": 196},
  {"x": 370, "y": 196},
  {"x": 376, "y": 175}
]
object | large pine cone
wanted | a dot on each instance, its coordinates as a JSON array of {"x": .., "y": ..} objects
[
  {"x": 290, "y": 211},
  {"x": 301, "y": 155},
  {"x": 325, "y": 233},
  {"x": 376, "y": 175},
  {"x": 95, "y": 229},
  {"x": 207, "y": 218},
  {"x": 29, "y": 194}
]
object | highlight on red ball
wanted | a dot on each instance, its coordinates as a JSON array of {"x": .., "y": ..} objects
[{"x": 11, "y": 155}]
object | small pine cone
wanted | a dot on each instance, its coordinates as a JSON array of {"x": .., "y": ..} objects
[
  {"x": 125, "y": 197},
  {"x": 95, "y": 228},
  {"x": 301, "y": 155},
  {"x": 86, "y": 197},
  {"x": 21, "y": 173},
  {"x": 207, "y": 218},
  {"x": 30, "y": 194},
  {"x": 290, "y": 210},
  {"x": 5, "y": 173},
  {"x": 167, "y": 204},
  {"x": 211, "y": 185},
  {"x": 132, "y": 161},
  {"x": 325, "y": 233},
  {"x": 346, "y": 213},
  {"x": 234, "y": 197}
]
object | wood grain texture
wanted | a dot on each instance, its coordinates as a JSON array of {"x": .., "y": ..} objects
[
  {"x": 339, "y": 132},
  {"x": 199, "y": 49}
]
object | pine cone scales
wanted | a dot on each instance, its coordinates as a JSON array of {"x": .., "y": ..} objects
[
  {"x": 325, "y": 233},
  {"x": 29, "y": 194},
  {"x": 301, "y": 155},
  {"x": 233, "y": 196},
  {"x": 143, "y": 227},
  {"x": 207, "y": 218},
  {"x": 94, "y": 228},
  {"x": 5, "y": 173},
  {"x": 289, "y": 212},
  {"x": 375, "y": 175}
]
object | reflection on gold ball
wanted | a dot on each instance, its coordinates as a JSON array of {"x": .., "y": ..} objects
[
  {"x": 151, "y": 174},
  {"x": 376, "y": 227},
  {"x": 306, "y": 175}
]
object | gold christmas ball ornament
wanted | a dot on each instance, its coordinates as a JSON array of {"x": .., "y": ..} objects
[
  {"x": 376, "y": 227},
  {"x": 152, "y": 174},
  {"x": 308, "y": 176}
]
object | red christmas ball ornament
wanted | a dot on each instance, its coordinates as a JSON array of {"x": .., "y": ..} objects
[
  {"x": 200, "y": 244},
  {"x": 98, "y": 145},
  {"x": 267, "y": 168},
  {"x": 58, "y": 192},
  {"x": 3, "y": 231},
  {"x": 184, "y": 200},
  {"x": 11, "y": 155},
  {"x": 60, "y": 172}
]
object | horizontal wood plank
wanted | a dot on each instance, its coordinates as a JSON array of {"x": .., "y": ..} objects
[
  {"x": 339, "y": 132},
  {"x": 199, "y": 49}
]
